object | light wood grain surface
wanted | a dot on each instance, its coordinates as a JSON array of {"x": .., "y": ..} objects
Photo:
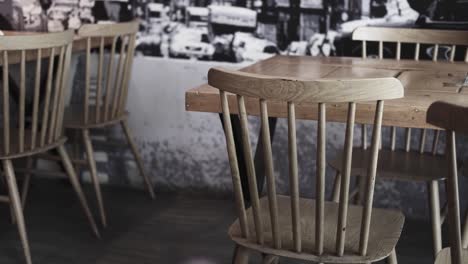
[
  {"x": 333, "y": 225},
  {"x": 425, "y": 82},
  {"x": 383, "y": 238}
]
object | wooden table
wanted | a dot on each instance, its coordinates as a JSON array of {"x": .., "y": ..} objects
[{"x": 425, "y": 82}]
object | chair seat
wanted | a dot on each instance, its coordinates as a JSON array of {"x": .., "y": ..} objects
[
  {"x": 385, "y": 230},
  {"x": 74, "y": 117},
  {"x": 397, "y": 165},
  {"x": 15, "y": 152},
  {"x": 444, "y": 256}
]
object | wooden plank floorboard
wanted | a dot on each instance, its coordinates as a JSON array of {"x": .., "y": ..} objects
[{"x": 173, "y": 229}]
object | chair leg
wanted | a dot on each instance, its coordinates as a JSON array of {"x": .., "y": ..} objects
[
  {"x": 12, "y": 208},
  {"x": 434, "y": 203},
  {"x": 139, "y": 162},
  {"x": 76, "y": 149},
  {"x": 241, "y": 255},
  {"x": 465, "y": 232},
  {"x": 336, "y": 187},
  {"x": 392, "y": 258},
  {"x": 77, "y": 187},
  {"x": 444, "y": 210},
  {"x": 27, "y": 181},
  {"x": 93, "y": 172},
  {"x": 17, "y": 208},
  {"x": 270, "y": 259}
]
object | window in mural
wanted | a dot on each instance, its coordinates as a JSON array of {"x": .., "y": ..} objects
[{"x": 237, "y": 30}]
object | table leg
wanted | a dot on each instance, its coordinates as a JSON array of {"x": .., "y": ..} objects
[{"x": 258, "y": 159}]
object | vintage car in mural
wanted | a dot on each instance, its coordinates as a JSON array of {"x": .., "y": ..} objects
[
  {"x": 248, "y": 47},
  {"x": 191, "y": 43},
  {"x": 234, "y": 38},
  {"x": 157, "y": 14},
  {"x": 196, "y": 17},
  {"x": 148, "y": 44},
  {"x": 298, "y": 48},
  {"x": 318, "y": 45},
  {"x": 149, "y": 41}
]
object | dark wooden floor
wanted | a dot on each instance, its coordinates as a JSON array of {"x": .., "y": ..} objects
[{"x": 173, "y": 229}]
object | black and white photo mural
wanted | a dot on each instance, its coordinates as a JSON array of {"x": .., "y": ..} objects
[{"x": 237, "y": 30}]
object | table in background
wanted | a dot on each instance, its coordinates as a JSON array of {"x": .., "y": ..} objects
[{"x": 425, "y": 82}]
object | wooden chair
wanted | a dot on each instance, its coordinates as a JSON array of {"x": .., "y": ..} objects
[
  {"x": 107, "y": 106},
  {"x": 26, "y": 132},
  {"x": 452, "y": 118},
  {"x": 293, "y": 226},
  {"x": 405, "y": 164}
]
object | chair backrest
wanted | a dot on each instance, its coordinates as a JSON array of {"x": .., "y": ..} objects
[
  {"x": 263, "y": 89},
  {"x": 42, "y": 125},
  {"x": 110, "y": 96},
  {"x": 452, "y": 118},
  {"x": 416, "y": 37}
]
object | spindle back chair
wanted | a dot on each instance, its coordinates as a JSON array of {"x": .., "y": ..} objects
[
  {"x": 294, "y": 226},
  {"x": 417, "y": 37},
  {"x": 451, "y": 118},
  {"x": 408, "y": 163},
  {"x": 106, "y": 104},
  {"x": 35, "y": 126},
  {"x": 22, "y": 135}
]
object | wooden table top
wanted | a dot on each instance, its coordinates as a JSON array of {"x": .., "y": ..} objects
[{"x": 425, "y": 82}]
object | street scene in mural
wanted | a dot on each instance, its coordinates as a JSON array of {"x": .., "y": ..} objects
[{"x": 237, "y": 30}]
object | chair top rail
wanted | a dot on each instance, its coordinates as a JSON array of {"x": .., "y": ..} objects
[
  {"x": 448, "y": 116},
  {"x": 411, "y": 35},
  {"x": 108, "y": 30},
  {"x": 36, "y": 41},
  {"x": 302, "y": 91}
]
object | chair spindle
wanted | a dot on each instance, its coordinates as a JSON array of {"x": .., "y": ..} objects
[
  {"x": 293, "y": 177},
  {"x": 250, "y": 170},
  {"x": 371, "y": 175},
  {"x": 45, "y": 112},
  {"x": 269, "y": 171},
  {"x": 416, "y": 52},
  {"x": 109, "y": 79},
  {"x": 37, "y": 85},
  {"x": 99, "y": 80},
  {"x": 408, "y": 139},
  {"x": 118, "y": 77},
  {"x": 453, "y": 200},
  {"x": 22, "y": 99},
  {"x": 320, "y": 185},
  {"x": 345, "y": 178},
  {"x": 231, "y": 147},
  {"x": 6, "y": 105},
  {"x": 56, "y": 96}
]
